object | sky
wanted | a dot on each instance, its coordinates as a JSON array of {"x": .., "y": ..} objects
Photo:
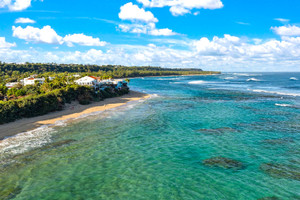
[{"x": 221, "y": 35}]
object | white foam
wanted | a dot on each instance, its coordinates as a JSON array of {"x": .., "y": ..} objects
[
  {"x": 25, "y": 141},
  {"x": 230, "y": 78},
  {"x": 154, "y": 95},
  {"x": 244, "y": 74},
  {"x": 276, "y": 92},
  {"x": 284, "y": 105},
  {"x": 253, "y": 79},
  {"x": 199, "y": 82},
  {"x": 294, "y": 79}
]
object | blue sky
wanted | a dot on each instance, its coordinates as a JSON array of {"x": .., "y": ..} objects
[{"x": 227, "y": 35}]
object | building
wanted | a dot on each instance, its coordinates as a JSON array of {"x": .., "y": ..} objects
[
  {"x": 88, "y": 81},
  {"x": 32, "y": 81},
  {"x": 11, "y": 85}
]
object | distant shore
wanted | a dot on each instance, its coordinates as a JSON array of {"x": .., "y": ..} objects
[{"x": 71, "y": 111}]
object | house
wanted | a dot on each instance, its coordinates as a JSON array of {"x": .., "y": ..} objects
[
  {"x": 11, "y": 85},
  {"x": 32, "y": 81},
  {"x": 88, "y": 81}
]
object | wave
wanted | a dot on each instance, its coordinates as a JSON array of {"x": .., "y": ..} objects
[
  {"x": 275, "y": 92},
  {"x": 244, "y": 74},
  {"x": 25, "y": 141},
  {"x": 253, "y": 79},
  {"x": 294, "y": 79},
  {"x": 200, "y": 82},
  {"x": 284, "y": 105},
  {"x": 230, "y": 78}
]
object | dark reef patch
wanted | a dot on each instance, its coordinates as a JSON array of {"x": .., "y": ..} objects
[
  {"x": 269, "y": 198},
  {"x": 281, "y": 171},
  {"x": 223, "y": 162}
]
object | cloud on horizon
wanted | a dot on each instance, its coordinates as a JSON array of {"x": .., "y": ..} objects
[{"x": 216, "y": 54}]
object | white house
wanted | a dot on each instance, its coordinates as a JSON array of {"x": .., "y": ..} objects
[
  {"x": 88, "y": 80},
  {"x": 11, "y": 85},
  {"x": 31, "y": 81}
]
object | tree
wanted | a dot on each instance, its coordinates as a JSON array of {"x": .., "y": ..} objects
[{"x": 3, "y": 90}]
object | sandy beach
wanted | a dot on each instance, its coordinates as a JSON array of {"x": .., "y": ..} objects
[{"x": 71, "y": 111}]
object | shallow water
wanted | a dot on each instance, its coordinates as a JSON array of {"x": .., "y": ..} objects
[{"x": 155, "y": 149}]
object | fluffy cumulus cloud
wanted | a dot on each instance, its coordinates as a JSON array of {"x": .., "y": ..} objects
[
  {"x": 288, "y": 30},
  {"x": 6, "y": 45},
  {"x": 31, "y": 34},
  {"x": 48, "y": 35},
  {"x": 143, "y": 22},
  {"x": 22, "y": 20},
  {"x": 181, "y": 7},
  {"x": 15, "y": 5},
  {"x": 134, "y": 13},
  {"x": 83, "y": 40}
]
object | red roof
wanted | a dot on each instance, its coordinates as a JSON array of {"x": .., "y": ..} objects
[
  {"x": 30, "y": 78},
  {"x": 96, "y": 78}
]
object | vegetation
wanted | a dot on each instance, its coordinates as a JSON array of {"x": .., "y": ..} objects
[
  {"x": 10, "y": 72},
  {"x": 39, "y": 104},
  {"x": 21, "y": 101}
]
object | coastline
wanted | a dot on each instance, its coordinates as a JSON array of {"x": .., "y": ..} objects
[{"x": 71, "y": 111}]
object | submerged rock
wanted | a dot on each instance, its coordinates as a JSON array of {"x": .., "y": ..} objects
[
  {"x": 217, "y": 131},
  {"x": 281, "y": 171},
  {"x": 269, "y": 198},
  {"x": 225, "y": 163}
]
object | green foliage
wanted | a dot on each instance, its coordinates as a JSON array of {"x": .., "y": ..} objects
[
  {"x": 3, "y": 89},
  {"x": 10, "y": 72},
  {"x": 55, "y": 100}
]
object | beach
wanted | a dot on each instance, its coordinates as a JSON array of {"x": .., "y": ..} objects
[{"x": 71, "y": 111}]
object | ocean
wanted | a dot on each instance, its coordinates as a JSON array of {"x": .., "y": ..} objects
[{"x": 234, "y": 136}]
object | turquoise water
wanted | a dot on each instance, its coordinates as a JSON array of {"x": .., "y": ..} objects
[{"x": 155, "y": 149}]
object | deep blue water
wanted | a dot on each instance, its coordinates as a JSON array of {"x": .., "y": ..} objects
[{"x": 158, "y": 148}]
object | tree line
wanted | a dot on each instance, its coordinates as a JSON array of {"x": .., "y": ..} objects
[{"x": 13, "y": 72}]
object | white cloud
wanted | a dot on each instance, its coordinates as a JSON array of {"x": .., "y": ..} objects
[
  {"x": 162, "y": 32},
  {"x": 49, "y": 36},
  {"x": 15, "y": 5},
  {"x": 226, "y": 53},
  {"x": 142, "y": 22},
  {"x": 181, "y": 7},
  {"x": 83, "y": 40},
  {"x": 243, "y": 23},
  {"x": 22, "y": 20},
  {"x": 196, "y": 13},
  {"x": 282, "y": 20},
  {"x": 134, "y": 13},
  {"x": 30, "y": 34},
  {"x": 149, "y": 29},
  {"x": 6, "y": 45},
  {"x": 287, "y": 30}
]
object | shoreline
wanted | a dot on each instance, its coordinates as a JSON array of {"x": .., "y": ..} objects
[{"x": 71, "y": 111}]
